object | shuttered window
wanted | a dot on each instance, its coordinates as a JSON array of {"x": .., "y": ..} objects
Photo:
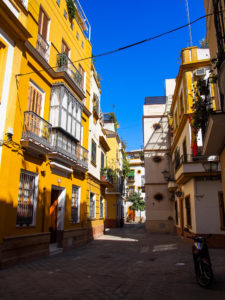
[
  {"x": 75, "y": 205},
  {"x": 222, "y": 210},
  {"x": 188, "y": 210},
  {"x": 93, "y": 152},
  {"x": 101, "y": 208},
  {"x": 43, "y": 24},
  {"x": 34, "y": 100}
]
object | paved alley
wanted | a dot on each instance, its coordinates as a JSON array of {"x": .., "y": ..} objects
[{"x": 125, "y": 263}]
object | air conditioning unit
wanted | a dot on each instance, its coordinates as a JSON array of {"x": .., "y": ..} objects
[{"x": 200, "y": 72}]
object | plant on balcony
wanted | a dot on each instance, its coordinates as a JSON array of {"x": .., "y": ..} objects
[
  {"x": 200, "y": 107},
  {"x": 113, "y": 118},
  {"x": 71, "y": 9},
  {"x": 126, "y": 164}
]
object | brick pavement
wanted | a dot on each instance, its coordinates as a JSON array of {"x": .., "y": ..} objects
[{"x": 124, "y": 264}]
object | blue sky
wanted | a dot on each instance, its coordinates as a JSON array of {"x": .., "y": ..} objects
[{"x": 130, "y": 75}]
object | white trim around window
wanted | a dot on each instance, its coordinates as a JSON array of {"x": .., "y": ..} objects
[
  {"x": 92, "y": 205},
  {"x": 75, "y": 204}
]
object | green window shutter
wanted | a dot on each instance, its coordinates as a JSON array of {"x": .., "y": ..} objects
[{"x": 131, "y": 173}]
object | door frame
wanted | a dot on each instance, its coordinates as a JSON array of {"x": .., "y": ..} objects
[{"x": 60, "y": 213}]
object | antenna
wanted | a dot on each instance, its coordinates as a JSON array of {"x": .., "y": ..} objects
[{"x": 189, "y": 25}]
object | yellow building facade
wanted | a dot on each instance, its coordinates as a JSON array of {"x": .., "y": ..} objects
[
  {"x": 215, "y": 136},
  {"x": 45, "y": 102},
  {"x": 196, "y": 180},
  {"x": 114, "y": 194}
]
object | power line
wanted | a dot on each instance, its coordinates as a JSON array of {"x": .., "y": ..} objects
[{"x": 131, "y": 45}]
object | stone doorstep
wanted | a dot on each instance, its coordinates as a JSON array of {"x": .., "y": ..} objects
[{"x": 53, "y": 249}]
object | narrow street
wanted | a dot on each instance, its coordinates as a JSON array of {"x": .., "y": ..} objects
[{"x": 125, "y": 263}]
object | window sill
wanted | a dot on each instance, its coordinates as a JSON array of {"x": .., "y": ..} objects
[
  {"x": 25, "y": 226},
  {"x": 92, "y": 219}
]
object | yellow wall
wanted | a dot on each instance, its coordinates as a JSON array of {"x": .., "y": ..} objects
[{"x": 13, "y": 157}]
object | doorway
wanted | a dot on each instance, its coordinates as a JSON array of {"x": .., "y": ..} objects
[{"x": 56, "y": 220}]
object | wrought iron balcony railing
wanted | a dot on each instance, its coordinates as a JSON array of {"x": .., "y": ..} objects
[
  {"x": 189, "y": 158},
  {"x": 43, "y": 47},
  {"x": 64, "y": 64},
  {"x": 36, "y": 128}
]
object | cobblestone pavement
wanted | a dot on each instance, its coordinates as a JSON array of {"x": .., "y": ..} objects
[{"x": 124, "y": 264}]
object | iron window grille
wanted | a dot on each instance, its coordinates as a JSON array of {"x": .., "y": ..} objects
[
  {"x": 92, "y": 206},
  {"x": 75, "y": 205},
  {"x": 26, "y": 199},
  {"x": 101, "y": 214}
]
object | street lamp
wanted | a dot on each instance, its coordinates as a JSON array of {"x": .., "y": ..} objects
[{"x": 166, "y": 175}]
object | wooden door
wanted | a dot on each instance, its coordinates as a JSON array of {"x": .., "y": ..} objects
[
  {"x": 181, "y": 209},
  {"x": 54, "y": 215}
]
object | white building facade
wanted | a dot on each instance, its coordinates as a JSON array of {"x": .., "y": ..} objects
[
  {"x": 135, "y": 183},
  {"x": 159, "y": 207}
]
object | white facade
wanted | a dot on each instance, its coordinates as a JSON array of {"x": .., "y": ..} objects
[
  {"x": 159, "y": 207},
  {"x": 136, "y": 160},
  {"x": 95, "y": 129}
]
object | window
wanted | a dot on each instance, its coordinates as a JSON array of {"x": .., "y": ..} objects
[
  {"x": 185, "y": 151},
  {"x": 92, "y": 205},
  {"x": 82, "y": 44},
  {"x": 188, "y": 210},
  {"x": 65, "y": 48},
  {"x": 75, "y": 205},
  {"x": 101, "y": 208},
  {"x": 222, "y": 210},
  {"x": 176, "y": 212},
  {"x": 131, "y": 175},
  {"x": 77, "y": 35},
  {"x": 27, "y": 199},
  {"x": 102, "y": 160},
  {"x": 3, "y": 59},
  {"x": 93, "y": 152},
  {"x": 117, "y": 154},
  {"x": 43, "y": 24},
  {"x": 58, "y": 2},
  {"x": 181, "y": 104},
  {"x": 130, "y": 191},
  {"x": 65, "y": 14},
  {"x": 105, "y": 208},
  {"x": 34, "y": 99},
  {"x": 65, "y": 112},
  {"x": 81, "y": 71}
]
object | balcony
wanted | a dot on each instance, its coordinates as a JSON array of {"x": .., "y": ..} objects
[
  {"x": 66, "y": 150},
  {"x": 188, "y": 166},
  {"x": 106, "y": 178},
  {"x": 82, "y": 19},
  {"x": 130, "y": 179},
  {"x": 64, "y": 64},
  {"x": 214, "y": 136},
  {"x": 36, "y": 134},
  {"x": 43, "y": 47},
  {"x": 116, "y": 188}
]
